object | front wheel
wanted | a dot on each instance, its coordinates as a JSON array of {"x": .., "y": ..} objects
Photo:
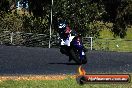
[
  {"x": 76, "y": 57},
  {"x": 84, "y": 60}
]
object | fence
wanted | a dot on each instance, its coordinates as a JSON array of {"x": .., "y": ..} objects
[
  {"x": 27, "y": 39},
  {"x": 106, "y": 44},
  {"x": 34, "y": 40},
  {"x": 42, "y": 40}
]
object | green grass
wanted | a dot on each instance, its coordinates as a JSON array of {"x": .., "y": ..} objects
[
  {"x": 118, "y": 44},
  {"x": 106, "y": 33},
  {"x": 129, "y": 34},
  {"x": 67, "y": 83}
]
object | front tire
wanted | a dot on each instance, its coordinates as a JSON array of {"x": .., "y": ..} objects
[
  {"x": 76, "y": 57},
  {"x": 84, "y": 60}
]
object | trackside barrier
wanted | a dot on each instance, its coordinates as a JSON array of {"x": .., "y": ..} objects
[
  {"x": 42, "y": 40},
  {"x": 27, "y": 39}
]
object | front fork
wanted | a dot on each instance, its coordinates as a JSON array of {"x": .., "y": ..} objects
[
  {"x": 80, "y": 51},
  {"x": 82, "y": 54}
]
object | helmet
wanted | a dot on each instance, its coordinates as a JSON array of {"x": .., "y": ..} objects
[{"x": 62, "y": 24}]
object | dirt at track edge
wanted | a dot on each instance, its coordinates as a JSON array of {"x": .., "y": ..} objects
[{"x": 36, "y": 77}]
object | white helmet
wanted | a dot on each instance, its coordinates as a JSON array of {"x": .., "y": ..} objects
[{"x": 62, "y": 25}]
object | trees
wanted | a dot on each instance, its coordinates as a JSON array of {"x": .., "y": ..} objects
[
  {"x": 83, "y": 15},
  {"x": 86, "y": 14},
  {"x": 8, "y": 21},
  {"x": 119, "y": 12},
  {"x": 39, "y": 8}
]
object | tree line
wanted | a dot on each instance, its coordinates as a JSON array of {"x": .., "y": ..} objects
[{"x": 87, "y": 16}]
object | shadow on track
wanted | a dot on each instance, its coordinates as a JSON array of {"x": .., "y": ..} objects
[{"x": 64, "y": 63}]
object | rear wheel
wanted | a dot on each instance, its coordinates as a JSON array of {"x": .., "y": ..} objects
[{"x": 64, "y": 50}]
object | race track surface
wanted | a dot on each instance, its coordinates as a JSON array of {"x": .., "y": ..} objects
[{"x": 34, "y": 60}]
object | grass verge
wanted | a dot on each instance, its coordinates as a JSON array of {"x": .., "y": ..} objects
[
  {"x": 68, "y": 82},
  {"x": 107, "y": 42},
  {"x": 119, "y": 45}
]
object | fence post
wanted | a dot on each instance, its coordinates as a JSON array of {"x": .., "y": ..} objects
[
  {"x": 51, "y": 13},
  {"x": 91, "y": 45},
  {"x": 11, "y": 37}
]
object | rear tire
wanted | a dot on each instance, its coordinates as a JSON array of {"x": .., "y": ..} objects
[{"x": 64, "y": 50}]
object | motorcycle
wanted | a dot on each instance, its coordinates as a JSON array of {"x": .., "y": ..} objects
[{"x": 72, "y": 46}]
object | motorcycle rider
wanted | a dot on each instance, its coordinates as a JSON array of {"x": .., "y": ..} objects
[{"x": 65, "y": 31}]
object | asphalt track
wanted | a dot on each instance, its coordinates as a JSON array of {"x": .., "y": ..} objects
[{"x": 34, "y": 60}]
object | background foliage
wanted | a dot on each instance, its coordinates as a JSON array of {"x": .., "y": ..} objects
[{"x": 86, "y": 16}]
